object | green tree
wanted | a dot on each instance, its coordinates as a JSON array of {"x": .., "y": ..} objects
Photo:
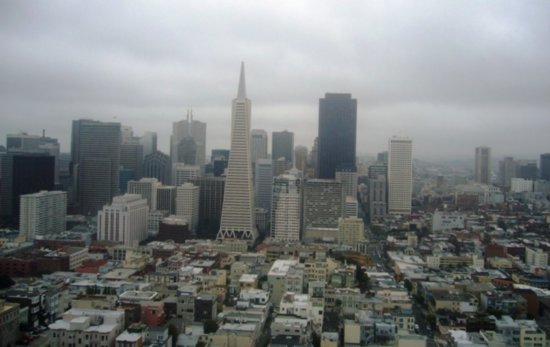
[{"x": 210, "y": 326}]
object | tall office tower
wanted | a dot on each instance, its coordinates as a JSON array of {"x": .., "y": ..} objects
[
  {"x": 211, "y": 202},
  {"x": 95, "y": 158},
  {"x": 166, "y": 199},
  {"x": 280, "y": 166},
  {"x": 300, "y": 157},
  {"x": 131, "y": 157},
  {"x": 219, "y": 160},
  {"x": 382, "y": 157},
  {"x": 187, "y": 204},
  {"x": 314, "y": 159},
  {"x": 182, "y": 173},
  {"x": 238, "y": 218},
  {"x": 188, "y": 142},
  {"x": 377, "y": 197},
  {"x": 282, "y": 146},
  {"x": 400, "y": 179},
  {"x": 323, "y": 204},
  {"x": 286, "y": 214},
  {"x": 506, "y": 171},
  {"x": 25, "y": 143},
  {"x": 348, "y": 177},
  {"x": 124, "y": 220},
  {"x": 545, "y": 166},
  {"x": 527, "y": 169},
  {"x": 149, "y": 143},
  {"x": 351, "y": 207},
  {"x": 159, "y": 166},
  {"x": 147, "y": 188},
  {"x": 263, "y": 183},
  {"x": 42, "y": 213},
  {"x": 23, "y": 173},
  {"x": 258, "y": 145},
  {"x": 126, "y": 132},
  {"x": 337, "y": 133},
  {"x": 483, "y": 165},
  {"x": 377, "y": 169}
]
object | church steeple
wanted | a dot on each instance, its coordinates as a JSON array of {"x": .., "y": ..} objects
[{"x": 241, "y": 94}]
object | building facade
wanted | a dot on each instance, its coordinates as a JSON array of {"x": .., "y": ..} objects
[
  {"x": 187, "y": 204},
  {"x": 263, "y": 183},
  {"x": 188, "y": 142},
  {"x": 286, "y": 214},
  {"x": 337, "y": 133},
  {"x": 42, "y": 213},
  {"x": 238, "y": 218},
  {"x": 482, "y": 172},
  {"x": 125, "y": 220},
  {"x": 400, "y": 177},
  {"x": 159, "y": 166},
  {"x": 95, "y": 157}
]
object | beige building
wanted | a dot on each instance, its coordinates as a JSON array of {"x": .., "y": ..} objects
[
  {"x": 9, "y": 323},
  {"x": 351, "y": 230}
]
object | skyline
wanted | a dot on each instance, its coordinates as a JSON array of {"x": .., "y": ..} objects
[{"x": 450, "y": 77}]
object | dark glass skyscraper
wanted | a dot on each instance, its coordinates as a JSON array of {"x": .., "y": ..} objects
[
  {"x": 159, "y": 166},
  {"x": 337, "y": 133},
  {"x": 24, "y": 173},
  {"x": 282, "y": 145},
  {"x": 545, "y": 166},
  {"x": 95, "y": 152}
]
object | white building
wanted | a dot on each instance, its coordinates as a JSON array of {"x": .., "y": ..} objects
[
  {"x": 125, "y": 220},
  {"x": 238, "y": 215},
  {"x": 183, "y": 173},
  {"x": 286, "y": 208},
  {"x": 351, "y": 230},
  {"x": 520, "y": 185},
  {"x": 348, "y": 178},
  {"x": 400, "y": 177},
  {"x": 187, "y": 204},
  {"x": 87, "y": 327},
  {"x": 284, "y": 276},
  {"x": 536, "y": 257},
  {"x": 447, "y": 221},
  {"x": 42, "y": 213},
  {"x": 147, "y": 188}
]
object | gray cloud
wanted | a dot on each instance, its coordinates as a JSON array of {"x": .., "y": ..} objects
[{"x": 451, "y": 75}]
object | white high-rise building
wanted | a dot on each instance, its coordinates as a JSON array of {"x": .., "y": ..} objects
[
  {"x": 286, "y": 215},
  {"x": 42, "y": 213},
  {"x": 400, "y": 179},
  {"x": 125, "y": 220},
  {"x": 147, "y": 188},
  {"x": 187, "y": 204},
  {"x": 258, "y": 145},
  {"x": 183, "y": 173},
  {"x": 263, "y": 183},
  {"x": 188, "y": 141},
  {"x": 238, "y": 217}
]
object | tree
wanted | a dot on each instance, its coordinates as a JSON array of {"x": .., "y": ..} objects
[
  {"x": 408, "y": 285},
  {"x": 5, "y": 281},
  {"x": 210, "y": 326}
]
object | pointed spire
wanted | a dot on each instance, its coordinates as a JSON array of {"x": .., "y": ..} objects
[{"x": 242, "y": 85}]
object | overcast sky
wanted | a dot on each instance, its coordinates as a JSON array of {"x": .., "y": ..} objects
[{"x": 451, "y": 75}]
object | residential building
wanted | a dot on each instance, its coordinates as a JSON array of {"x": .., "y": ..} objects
[
  {"x": 286, "y": 214},
  {"x": 42, "y": 213},
  {"x": 9, "y": 323},
  {"x": 323, "y": 204}
]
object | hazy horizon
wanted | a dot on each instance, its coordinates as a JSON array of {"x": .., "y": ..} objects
[{"x": 450, "y": 75}]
